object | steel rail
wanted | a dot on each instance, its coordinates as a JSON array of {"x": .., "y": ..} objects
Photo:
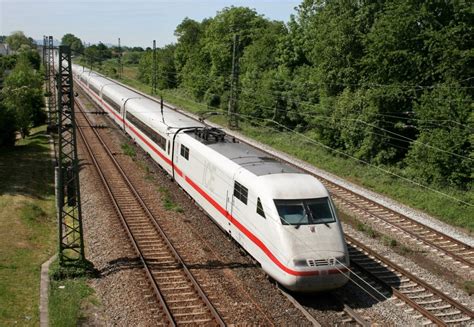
[
  {"x": 154, "y": 285},
  {"x": 406, "y": 230},
  {"x": 188, "y": 273},
  {"x": 413, "y": 278}
]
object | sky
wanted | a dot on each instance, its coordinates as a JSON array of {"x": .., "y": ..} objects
[{"x": 137, "y": 23}]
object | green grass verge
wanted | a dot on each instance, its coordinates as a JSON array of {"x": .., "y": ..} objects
[
  {"x": 28, "y": 229},
  {"x": 435, "y": 204},
  {"x": 69, "y": 295}
]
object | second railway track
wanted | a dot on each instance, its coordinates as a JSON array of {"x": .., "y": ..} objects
[
  {"x": 181, "y": 298},
  {"x": 430, "y": 304}
]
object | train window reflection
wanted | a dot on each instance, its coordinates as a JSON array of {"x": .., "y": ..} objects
[
  {"x": 305, "y": 212},
  {"x": 320, "y": 210},
  {"x": 292, "y": 212}
]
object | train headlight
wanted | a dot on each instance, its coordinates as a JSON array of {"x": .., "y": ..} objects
[{"x": 300, "y": 262}]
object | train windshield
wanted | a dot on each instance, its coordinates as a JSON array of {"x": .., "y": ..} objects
[{"x": 305, "y": 212}]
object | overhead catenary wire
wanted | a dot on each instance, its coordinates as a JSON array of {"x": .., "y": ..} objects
[{"x": 387, "y": 131}]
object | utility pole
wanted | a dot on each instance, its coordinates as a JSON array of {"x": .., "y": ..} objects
[
  {"x": 119, "y": 59},
  {"x": 234, "y": 93},
  {"x": 47, "y": 91},
  {"x": 52, "y": 123},
  {"x": 68, "y": 200},
  {"x": 90, "y": 59},
  {"x": 153, "y": 79},
  {"x": 45, "y": 42}
]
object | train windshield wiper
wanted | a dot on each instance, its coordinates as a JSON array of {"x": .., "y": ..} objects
[{"x": 305, "y": 212}]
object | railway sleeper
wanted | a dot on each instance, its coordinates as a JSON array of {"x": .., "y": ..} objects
[
  {"x": 176, "y": 289},
  {"x": 174, "y": 283},
  {"x": 447, "y": 314},
  {"x": 418, "y": 290},
  {"x": 454, "y": 321},
  {"x": 188, "y": 307},
  {"x": 195, "y": 322},
  {"x": 181, "y": 296},
  {"x": 408, "y": 285},
  {"x": 442, "y": 307},
  {"x": 429, "y": 302}
]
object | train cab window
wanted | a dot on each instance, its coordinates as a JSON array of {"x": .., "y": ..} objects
[
  {"x": 184, "y": 152},
  {"x": 320, "y": 210},
  {"x": 292, "y": 212},
  {"x": 260, "y": 208},
  {"x": 241, "y": 192},
  {"x": 305, "y": 212}
]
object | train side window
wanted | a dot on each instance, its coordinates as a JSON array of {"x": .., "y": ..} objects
[
  {"x": 260, "y": 208},
  {"x": 185, "y": 152},
  {"x": 241, "y": 192},
  {"x": 168, "y": 146}
]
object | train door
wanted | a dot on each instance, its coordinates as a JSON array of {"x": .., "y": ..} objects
[
  {"x": 239, "y": 207},
  {"x": 229, "y": 203}
]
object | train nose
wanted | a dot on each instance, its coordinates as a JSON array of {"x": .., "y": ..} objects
[{"x": 331, "y": 260}]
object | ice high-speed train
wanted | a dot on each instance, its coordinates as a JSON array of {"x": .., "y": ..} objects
[{"x": 280, "y": 215}]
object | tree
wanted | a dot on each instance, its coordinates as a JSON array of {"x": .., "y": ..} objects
[
  {"x": 22, "y": 94},
  {"x": 7, "y": 126},
  {"x": 443, "y": 154},
  {"x": 18, "y": 39},
  {"x": 74, "y": 42}
]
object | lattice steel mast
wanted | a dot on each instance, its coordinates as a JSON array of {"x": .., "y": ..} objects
[
  {"x": 51, "y": 86},
  {"x": 71, "y": 242}
]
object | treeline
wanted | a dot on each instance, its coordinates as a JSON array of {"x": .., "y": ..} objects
[
  {"x": 387, "y": 82},
  {"x": 21, "y": 95}
]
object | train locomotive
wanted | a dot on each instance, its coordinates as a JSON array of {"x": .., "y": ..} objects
[{"x": 283, "y": 217}]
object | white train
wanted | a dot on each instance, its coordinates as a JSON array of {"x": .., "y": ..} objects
[{"x": 281, "y": 216}]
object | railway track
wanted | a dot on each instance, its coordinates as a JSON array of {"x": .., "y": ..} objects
[
  {"x": 459, "y": 253},
  {"x": 440, "y": 244},
  {"x": 181, "y": 299},
  {"x": 426, "y": 302},
  {"x": 346, "y": 317}
]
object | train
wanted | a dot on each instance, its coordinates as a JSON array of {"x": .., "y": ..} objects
[{"x": 283, "y": 217}]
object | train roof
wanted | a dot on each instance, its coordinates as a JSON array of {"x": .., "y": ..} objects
[
  {"x": 149, "y": 111},
  {"x": 255, "y": 161},
  {"x": 308, "y": 186},
  {"x": 118, "y": 92}
]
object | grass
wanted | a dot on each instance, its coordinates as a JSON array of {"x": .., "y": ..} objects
[
  {"x": 306, "y": 147},
  {"x": 28, "y": 232},
  {"x": 469, "y": 287},
  {"x": 168, "y": 202},
  {"x": 69, "y": 293},
  {"x": 367, "y": 230},
  {"x": 388, "y": 241},
  {"x": 128, "y": 150}
]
